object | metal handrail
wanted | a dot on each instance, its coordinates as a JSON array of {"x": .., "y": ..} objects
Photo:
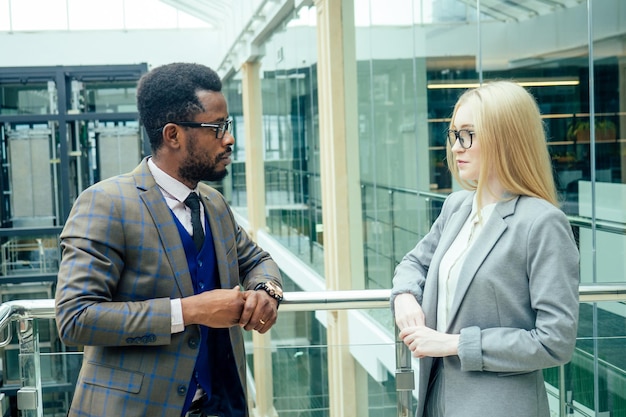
[
  {"x": 23, "y": 309},
  {"x": 335, "y": 300},
  {"x": 302, "y": 301},
  {"x": 296, "y": 301},
  {"x": 602, "y": 292}
]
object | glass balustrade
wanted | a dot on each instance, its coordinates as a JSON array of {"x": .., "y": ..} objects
[{"x": 294, "y": 356}]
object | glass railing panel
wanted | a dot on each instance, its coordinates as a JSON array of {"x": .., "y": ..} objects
[
  {"x": 593, "y": 383},
  {"x": 395, "y": 219},
  {"x": 59, "y": 372},
  {"x": 293, "y": 219},
  {"x": 29, "y": 396},
  {"x": 300, "y": 354},
  {"x": 301, "y": 380},
  {"x": 28, "y": 255}
]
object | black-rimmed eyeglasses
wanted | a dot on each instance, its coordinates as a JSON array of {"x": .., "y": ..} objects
[
  {"x": 220, "y": 128},
  {"x": 464, "y": 136}
]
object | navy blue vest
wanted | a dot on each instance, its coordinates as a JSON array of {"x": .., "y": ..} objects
[{"x": 203, "y": 270}]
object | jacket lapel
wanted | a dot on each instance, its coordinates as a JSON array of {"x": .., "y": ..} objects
[
  {"x": 451, "y": 230},
  {"x": 166, "y": 227},
  {"x": 493, "y": 229}
]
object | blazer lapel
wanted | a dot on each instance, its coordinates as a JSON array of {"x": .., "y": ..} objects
[
  {"x": 493, "y": 229},
  {"x": 451, "y": 230},
  {"x": 166, "y": 227}
]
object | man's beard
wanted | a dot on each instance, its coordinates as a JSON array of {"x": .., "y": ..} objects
[{"x": 196, "y": 169}]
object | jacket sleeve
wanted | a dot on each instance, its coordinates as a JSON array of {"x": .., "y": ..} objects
[{"x": 91, "y": 306}]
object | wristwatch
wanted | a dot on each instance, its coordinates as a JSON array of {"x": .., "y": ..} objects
[{"x": 272, "y": 289}]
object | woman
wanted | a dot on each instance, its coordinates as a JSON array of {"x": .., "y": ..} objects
[{"x": 489, "y": 297}]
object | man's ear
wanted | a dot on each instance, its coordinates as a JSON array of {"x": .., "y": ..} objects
[{"x": 171, "y": 134}]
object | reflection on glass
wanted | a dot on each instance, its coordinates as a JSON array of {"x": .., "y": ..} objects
[
  {"x": 29, "y": 255},
  {"x": 103, "y": 97},
  {"x": 598, "y": 362},
  {"x": 234, "y": 186},
  {"x": 31, "y": 98},
  {"x": 290, "y": 137}
]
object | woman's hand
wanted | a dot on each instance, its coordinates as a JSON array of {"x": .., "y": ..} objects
[
  {"x": 424, "y": 341},
  {"x": 408, "y": 311}
]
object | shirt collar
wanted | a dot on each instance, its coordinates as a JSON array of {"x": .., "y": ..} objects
[
  {"x": 169, "y": 184},
  {"x": 485, "y": 212}
]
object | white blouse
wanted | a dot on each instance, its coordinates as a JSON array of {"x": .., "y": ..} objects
[{"x": 453, "y": 260}]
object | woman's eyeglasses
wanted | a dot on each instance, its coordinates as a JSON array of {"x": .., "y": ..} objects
[{"x": 464, "y": 136}]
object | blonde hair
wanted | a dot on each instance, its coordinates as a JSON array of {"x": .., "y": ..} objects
[{"x": 512, "y": 139}]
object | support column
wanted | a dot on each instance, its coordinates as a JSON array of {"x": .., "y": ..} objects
[
  {"x": 621, "y": 133},
  {"x": 263, "y": 380},
  {"x": 255, "y": 192},
  {"x": 253, "y": 116},
  {"x": 340, "y": 187}
]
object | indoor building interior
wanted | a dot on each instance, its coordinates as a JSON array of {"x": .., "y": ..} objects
[{"x": 340, "y": 109}]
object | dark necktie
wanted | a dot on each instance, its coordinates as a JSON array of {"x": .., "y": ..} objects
[{"x": 193, "y": 202}]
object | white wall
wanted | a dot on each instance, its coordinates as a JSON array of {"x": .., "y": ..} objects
[{"x": 155, "y": 47}]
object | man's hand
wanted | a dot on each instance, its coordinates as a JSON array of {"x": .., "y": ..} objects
[
  {"x": 216, "y": 308},
  {"x": 259, "y": 312}
]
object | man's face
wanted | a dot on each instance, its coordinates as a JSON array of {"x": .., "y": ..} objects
[{"x": 206, "y": 156}]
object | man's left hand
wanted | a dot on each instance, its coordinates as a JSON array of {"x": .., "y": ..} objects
[{"x": 259, "y": 311}]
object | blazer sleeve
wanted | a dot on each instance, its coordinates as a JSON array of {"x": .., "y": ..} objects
[
  {"x": 94, "y": 305},
  {"x": 552, "y": 270}
]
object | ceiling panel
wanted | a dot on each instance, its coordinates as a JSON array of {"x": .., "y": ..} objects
[
  {"x": 213, "y": 12},
  {"x": 519, "y": 10}
]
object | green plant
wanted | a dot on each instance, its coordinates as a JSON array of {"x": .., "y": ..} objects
[
  {"x": 577, "y": 128},
  {"x": 605, "y": 125}
]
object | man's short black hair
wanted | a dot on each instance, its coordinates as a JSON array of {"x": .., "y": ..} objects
[{"x": 169, "y": 93}]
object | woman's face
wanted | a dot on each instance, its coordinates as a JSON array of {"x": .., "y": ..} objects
[{"x": 467, "y": 160}]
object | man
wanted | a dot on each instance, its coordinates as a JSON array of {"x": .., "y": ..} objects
[{"x": 153, "y": 263}]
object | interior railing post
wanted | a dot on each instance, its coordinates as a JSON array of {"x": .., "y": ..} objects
[
  {"x": 405, "y": 380},
  {"x": 29, "y": 397}
]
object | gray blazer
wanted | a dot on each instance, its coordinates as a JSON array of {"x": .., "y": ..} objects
[{"x": 515, "y": 307}]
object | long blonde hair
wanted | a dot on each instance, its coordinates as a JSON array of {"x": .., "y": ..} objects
[{"x": 512, "y": 139}]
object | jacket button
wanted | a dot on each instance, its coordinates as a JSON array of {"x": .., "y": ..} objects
[
  {"x": 192, "y": 343},
  {"x": 181, "y": 390}
]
